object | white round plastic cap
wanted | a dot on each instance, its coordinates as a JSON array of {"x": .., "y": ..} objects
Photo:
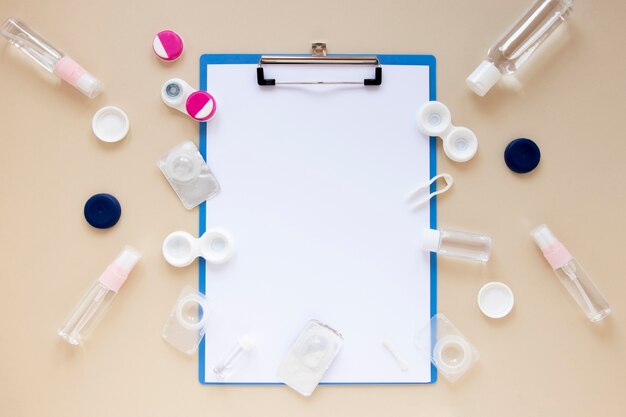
[
  {"x": 433, "y": 118},
  {"x": 431, "y": 240},
  {"x": 483, "y": 78},
  {"x": 110, "y": 124},
  {"x": 495, "y": 300},
  {"x": 460, "y": 145}
]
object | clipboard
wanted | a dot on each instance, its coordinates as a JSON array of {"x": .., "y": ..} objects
[{"x": 242, "y": 304}]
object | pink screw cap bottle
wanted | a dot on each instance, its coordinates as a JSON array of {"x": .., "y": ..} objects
[
  {"x": 52, "y": 59},
  {"x": 89, "y": 310},
  {"x": 571, "y": 274}
]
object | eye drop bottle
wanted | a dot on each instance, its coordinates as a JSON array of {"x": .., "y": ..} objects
[
  {"x": 89, "y": 310},
  {"x": 49, "y": 57},
  {"x": 511, "y": 51},
  {"x": 571, "y": 274},
  {"x": 463, "y": 245}
]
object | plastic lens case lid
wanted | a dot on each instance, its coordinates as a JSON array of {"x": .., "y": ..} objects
[
  {"x": 450, "y": 352},
  {"x": 188, "y": 174},
  {"x": 186, "y": 324},
  {"x": 310, "y": 356}
]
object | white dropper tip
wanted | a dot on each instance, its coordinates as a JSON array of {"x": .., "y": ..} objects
[{"x": 544, "y": 238}]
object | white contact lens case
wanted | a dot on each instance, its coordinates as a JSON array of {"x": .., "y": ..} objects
[
  {"x": 460, "y": 144},
  {"x": 181, "y": 248}
]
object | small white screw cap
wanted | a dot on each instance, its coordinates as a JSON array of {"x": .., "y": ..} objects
[
  {"x": 495, "y": 300},
  {"x": 483, "y": 78},
  {"x": 431, "y": 240}
]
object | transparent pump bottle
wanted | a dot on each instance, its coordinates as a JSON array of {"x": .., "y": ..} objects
[
  {"x": 511, "y": 51},
  {"x": 469, "y": 246},
  {"x": 89, "y": 310},
  {"x": 49, "y": 57},
  {"x": 571, "y": 274}
]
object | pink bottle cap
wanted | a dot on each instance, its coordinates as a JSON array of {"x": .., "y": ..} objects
[
  {"x": 168, "y": 45},
  {"x": 201, "y": 105}
]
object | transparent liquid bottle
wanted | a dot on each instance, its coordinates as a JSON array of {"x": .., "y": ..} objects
[
  {"x": 512, "y": 49},
  {"x": 87, "y": 313},
  {"x": 470, "y": 246},
  {"x": 49, "y": 57},
  {"x": 226, "y": 365},
  {"x": 571, "y": 274}
]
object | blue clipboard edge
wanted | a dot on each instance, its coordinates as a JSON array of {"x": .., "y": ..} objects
[{"x": 428, "y": 60}]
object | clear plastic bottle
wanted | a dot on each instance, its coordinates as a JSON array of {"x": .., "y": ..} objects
[
  {"x": 226, "y": 365},
  {"x": 49, "y": 57},
  {"x": 512, "y": 49},
  {"x": 571, "y": 274},
  {"x": 87, "y": 313},
  {"x": 470, "y": 246}
]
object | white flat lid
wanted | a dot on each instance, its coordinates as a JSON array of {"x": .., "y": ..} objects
[
  {"x": 110, "y": 124},
  {"x": 495, "y": 300}
]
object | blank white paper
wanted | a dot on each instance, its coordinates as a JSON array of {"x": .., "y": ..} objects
[{"x": 314, "y": 181}]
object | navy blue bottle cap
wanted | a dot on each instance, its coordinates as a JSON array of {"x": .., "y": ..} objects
[
  {"x": 102, "y": 211},
  {"x": 522, "y": 155}
]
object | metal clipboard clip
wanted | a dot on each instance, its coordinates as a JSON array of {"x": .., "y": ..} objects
[{"x": 319, "y": 56}]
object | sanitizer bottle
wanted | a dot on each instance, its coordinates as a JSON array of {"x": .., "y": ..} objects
[
  {"x": 49, "y": 57},
  {"x": 511, "y": 51},
  {"x": 571, "y": 274},
  {"x": 93, "y": 304}
]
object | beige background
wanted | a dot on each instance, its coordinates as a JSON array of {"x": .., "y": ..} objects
[{"x": 544, "y": 359}]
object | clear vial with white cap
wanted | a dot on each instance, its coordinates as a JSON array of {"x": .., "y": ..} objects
[
  {"x": 571, "y": 274},
  {"x": 226, "y": 365},
  {"x": 513, "y": 49},
  {"x": 464, "y": 245},
  {"x": 87, "y": 313},
  {"x": 49, "y": 57}
]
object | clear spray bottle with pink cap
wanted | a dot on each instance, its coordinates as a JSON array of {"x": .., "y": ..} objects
[
  {"x": 49, "y": 57},
  {"x": 89, "y": 310},
  {"x": 571, "y": 274}
]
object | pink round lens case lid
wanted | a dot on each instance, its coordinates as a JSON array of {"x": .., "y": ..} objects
[
  {"x": 201, "y": 105},
  {"x": 168, "y": 45}
]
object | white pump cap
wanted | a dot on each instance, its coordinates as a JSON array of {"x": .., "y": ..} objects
[
  {"x": 544, "y": 238},
  {"x": 431, "y": 240},
  {"x": 128, "y": 258},
  {"x": 483, "y": 78}
]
